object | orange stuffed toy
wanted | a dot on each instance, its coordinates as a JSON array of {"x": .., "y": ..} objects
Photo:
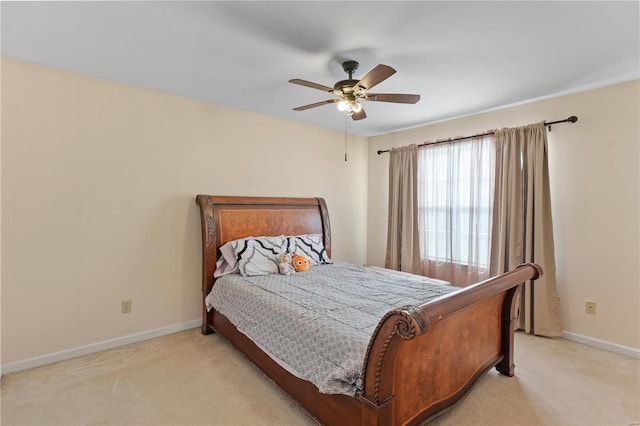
[{"x": 300, "y": 263}]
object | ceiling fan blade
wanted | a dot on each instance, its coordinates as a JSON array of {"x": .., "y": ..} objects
[
  {"x": 377, "y": 75},
  {"x": 391, "y": 97},
  {"x": 359, "y": 115},
  {"x": 317, "y": 104},
  {"x": 312, "y": 85}
]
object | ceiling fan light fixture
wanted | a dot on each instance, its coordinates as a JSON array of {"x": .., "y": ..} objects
[
  {"x": 349, "y": 106},
  {"x": 350, "y": 91}
]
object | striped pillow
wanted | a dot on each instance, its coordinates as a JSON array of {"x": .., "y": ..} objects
[
  {"x": 310, "y": 246},
  {"x": 258, "y": 255}
]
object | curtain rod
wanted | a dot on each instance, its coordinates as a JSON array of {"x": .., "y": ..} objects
[{"x": 571, "y": 119}]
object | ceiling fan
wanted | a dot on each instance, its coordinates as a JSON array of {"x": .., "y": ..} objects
[{"x": 351, "y": 91}]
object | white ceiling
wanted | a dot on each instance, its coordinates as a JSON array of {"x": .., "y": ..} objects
[{"x": 461, "y": 57}]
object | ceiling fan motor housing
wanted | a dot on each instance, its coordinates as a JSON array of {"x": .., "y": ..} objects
[{"x": 345, "y": 86}]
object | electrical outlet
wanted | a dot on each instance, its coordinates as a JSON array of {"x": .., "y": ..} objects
[
  {"x": 590, "y": 307},
  {"x": 125, "y": 306}
]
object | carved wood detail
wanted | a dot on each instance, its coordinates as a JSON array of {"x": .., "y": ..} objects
[{"x": 407, "y": 322}]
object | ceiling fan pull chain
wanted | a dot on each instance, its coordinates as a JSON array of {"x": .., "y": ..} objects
[{"x": 346, "y": 120}]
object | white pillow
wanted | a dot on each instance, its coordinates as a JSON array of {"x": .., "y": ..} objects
[{"x": 227, "y": 263}]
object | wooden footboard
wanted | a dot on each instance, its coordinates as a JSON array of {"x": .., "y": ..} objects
[
  {"x": 420, "y": 360},
  {"x": 423, "y": 359}
]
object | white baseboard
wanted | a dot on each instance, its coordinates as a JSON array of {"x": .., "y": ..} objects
[
  {"x": 96, "y": 347},
  {"x": 602, "y": 344}
]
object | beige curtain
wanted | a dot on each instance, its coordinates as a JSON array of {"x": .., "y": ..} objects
[
  {"x": 403, "y": 251},
  {"x": 522, "y": 229}
]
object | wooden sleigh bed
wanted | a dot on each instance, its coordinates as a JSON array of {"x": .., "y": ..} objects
[{"x": 420, "y": 361}]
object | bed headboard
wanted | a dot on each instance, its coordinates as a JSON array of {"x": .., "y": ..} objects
[{"x": 226, "y": 219}]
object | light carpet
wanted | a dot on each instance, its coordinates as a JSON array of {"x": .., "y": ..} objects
[{"x": 190, "y": 379}]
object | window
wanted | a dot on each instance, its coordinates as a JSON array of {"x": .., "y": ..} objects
[{"x": 455, "y": 198}]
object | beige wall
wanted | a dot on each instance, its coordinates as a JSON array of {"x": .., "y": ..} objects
[
  {"x": 98, "y": 186},
  {"x": 0, "y": 221},
  {"x": 595, "y": 195}
]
